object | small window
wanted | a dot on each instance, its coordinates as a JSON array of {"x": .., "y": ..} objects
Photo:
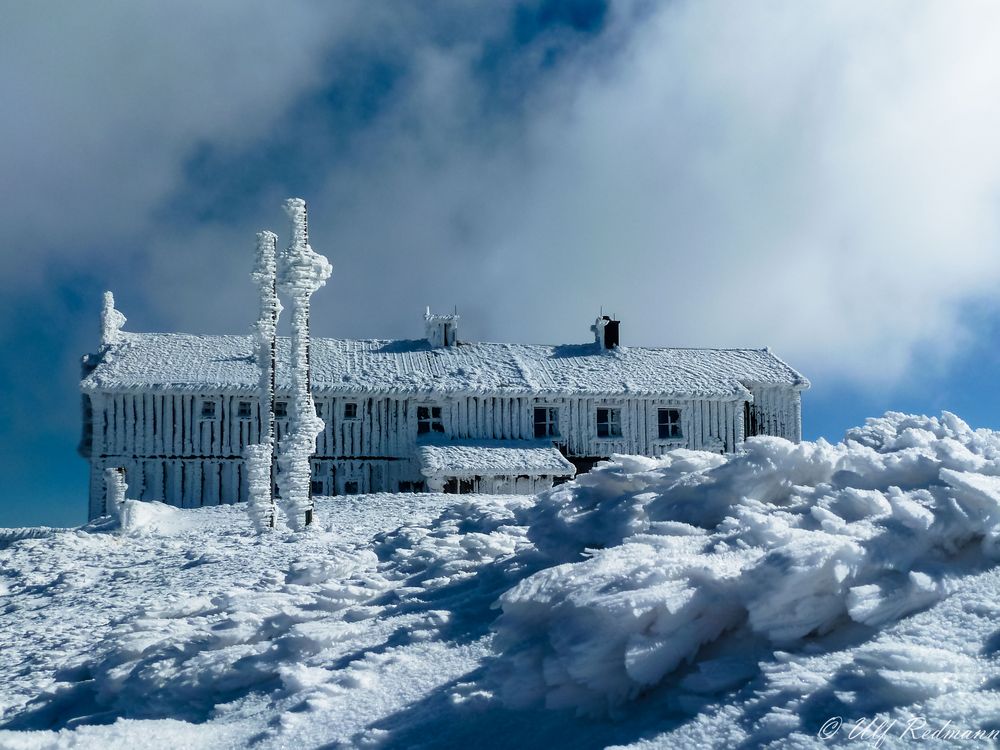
[
  {"x": 609, "y": 423},
  {"x": 350, "y": 410},
  {"x": 281, "y": 409},
  {"x": 429, "y": 420},
  {"x": 318, "y": 406},
  {"x": 350, "y": 488},
  {"x": 411, "y": 486},
  {"x": 244, "y": 410},
  {"x": 668, "y": 423},
  {"x": 546, "y": 421},
  {"x": 317, "y": 487},
  {"x": 207, "y": 409}
]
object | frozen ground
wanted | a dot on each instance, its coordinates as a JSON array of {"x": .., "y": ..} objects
[{"x": 689, "y": 601}]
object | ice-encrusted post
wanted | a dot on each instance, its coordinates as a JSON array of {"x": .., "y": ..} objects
[
  {"x": 260, "y": 457},
  {"x": 301, "y": 271},
  {"x": 115, "y": 489},
  {"x": 111, "y": 321}
]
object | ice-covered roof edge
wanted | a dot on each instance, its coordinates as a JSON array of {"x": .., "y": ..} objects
[
  {"x": 803, "y": 382},
  {"x": 739, "y": 386},
  {"x": 543, "y": 459}
]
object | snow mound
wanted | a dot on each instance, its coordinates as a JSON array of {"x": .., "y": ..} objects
[{"x": 780, "y": 543}]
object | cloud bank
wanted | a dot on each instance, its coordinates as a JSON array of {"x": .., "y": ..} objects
[{"x": 819, "y": 178}]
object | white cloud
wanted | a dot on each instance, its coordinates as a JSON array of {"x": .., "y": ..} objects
[{"x": 821, "y": 178}]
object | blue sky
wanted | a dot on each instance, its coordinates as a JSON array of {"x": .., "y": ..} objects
[{"x": 821, "y": 179}]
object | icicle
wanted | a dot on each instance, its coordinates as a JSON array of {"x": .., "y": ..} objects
[
  {"x": 111, "y": 321},
  {"x": 261, "y": 501},
  {"x": 301, "y": 271}
]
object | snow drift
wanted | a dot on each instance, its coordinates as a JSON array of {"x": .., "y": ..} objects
[
  {"x": 655, "y": 558},
  {"x": 710, "y": 601}
]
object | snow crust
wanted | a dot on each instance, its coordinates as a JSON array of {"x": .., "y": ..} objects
[
  {"x": 689, "y": 601},
  {"x": 782, "y": 542},
  {"x": 171, "y": 361}
]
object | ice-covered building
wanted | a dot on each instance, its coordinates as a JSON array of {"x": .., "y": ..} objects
[{"x": 176, "y": 411}]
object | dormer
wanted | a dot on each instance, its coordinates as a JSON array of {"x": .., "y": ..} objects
[{"x": 441, "y": 330}]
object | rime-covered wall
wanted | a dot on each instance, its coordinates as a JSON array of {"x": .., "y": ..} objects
[{"x": 170, "y": 452}]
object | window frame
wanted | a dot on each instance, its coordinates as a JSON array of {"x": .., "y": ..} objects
[
  {"x": 281, "y": 410},
  {"x": 239, "y": 410},
  {"x": 206, "y": 414},
  {"x": 612, "y": 422},
  {"x": 551, "y": 422},
  {"x": 355, "y": 412},
  {"x": 433, "y": 422},
  {"x": 675, "y": 425}
]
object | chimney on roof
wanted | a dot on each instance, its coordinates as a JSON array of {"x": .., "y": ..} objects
[
  {"x": 441, "y": 330},
  {"x": 111, "y": 321},
  {"x": 606, "y": 332}
]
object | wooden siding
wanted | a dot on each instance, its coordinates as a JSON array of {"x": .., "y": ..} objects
[{"x": 170, "y": 453}]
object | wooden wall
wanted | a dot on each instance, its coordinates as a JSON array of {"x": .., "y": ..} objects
[{"x": 171, "y": 454}]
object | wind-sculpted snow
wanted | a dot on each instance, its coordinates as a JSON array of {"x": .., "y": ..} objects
[
  {"x": 781, "y": 542},
  {"x": 689, "y": 601}
]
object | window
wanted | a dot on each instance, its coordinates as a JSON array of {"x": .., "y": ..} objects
[
  {"x": 429, "y": 420},
  {"x": 411, "y": 486},
  {"x": 546, "y": 421},
  {"x": 459, "y": 486},
  {"x": 316, "y": 487},
  {"x": 350, "y": 410},
  {"x": 207, "y": 409},
  {"x": 350, "y": 488},
  {"x": 281, "y": 409},
  {"x": 318, "y": 406},
  {"x": 668, "y": 423},
  {"x": 244, "y": 410},
  {"x": 609, "y": 423}
]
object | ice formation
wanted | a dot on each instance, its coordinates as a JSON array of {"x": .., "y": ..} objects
[
  {"x": 260, "y": 458},
  {"x": 111, "y": 321},
  {"x": 301, "y": 271},
  {"x": 115, "y": 489},
  {"x": 652, "y": 559}
]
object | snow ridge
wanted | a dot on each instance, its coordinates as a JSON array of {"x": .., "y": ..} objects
[{"x": 781, "y": 542}]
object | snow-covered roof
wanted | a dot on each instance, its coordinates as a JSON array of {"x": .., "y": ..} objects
[
  {"x": 471, "y": 458},
  {"x": 186, "y": 362}
]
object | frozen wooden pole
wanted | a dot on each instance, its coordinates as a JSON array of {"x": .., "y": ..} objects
[
  {"x": 301, "y": 271},
  {"x": 114, "y": 489},
  {"x": 260, "y": 458}
]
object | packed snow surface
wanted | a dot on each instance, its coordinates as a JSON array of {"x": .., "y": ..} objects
[
  {"x": 463, "y": 458},
  {"x": 786, "y": 596}
]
